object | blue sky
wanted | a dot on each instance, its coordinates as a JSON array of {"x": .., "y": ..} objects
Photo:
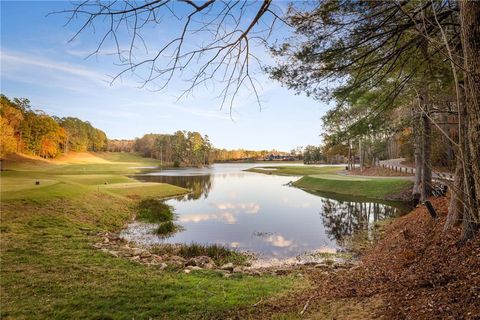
[{"x": 38, "y": 62}]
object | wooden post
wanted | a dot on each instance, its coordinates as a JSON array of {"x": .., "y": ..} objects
[{"x": 431, "y": 209}]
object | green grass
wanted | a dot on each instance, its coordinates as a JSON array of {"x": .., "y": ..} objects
[
  {"x": 154, "y": 210},
  {"x": 376, "y": 188},
  {"x": 51, "y": 271},
  {"x": 327, "y": 180},
  {"x": 297, "y": 170},
  {"x": 218, "y": 253}
]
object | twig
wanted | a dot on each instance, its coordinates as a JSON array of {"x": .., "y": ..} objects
[
  {"x": 306, "y": 306},
  {"x": 258, "y": 302}
]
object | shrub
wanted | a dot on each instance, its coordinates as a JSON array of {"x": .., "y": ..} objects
[
  {"x": 153, "y": 211},
  {"x": 166, "y": 228}
]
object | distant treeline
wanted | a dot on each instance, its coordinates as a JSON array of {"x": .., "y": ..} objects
[
  {"x": 313, "y": 154},
  {"x": 29, "y": 131},
  {"x": 184, "y": 148},
  {"x": 34, "y": 132},
  {"x": 221, "y": 155},
  {"x": 180, "y": 148}
]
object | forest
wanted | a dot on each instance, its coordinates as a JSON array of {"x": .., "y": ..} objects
[
  {"x": 28, "y": 131},
  {"x": 403, "y": 79}
]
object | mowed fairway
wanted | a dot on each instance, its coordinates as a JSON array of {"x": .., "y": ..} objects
[
  {"x": 51, "y": 271},
  {"x": 327, "y": 179}
]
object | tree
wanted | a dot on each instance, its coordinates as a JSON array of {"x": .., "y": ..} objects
[
  {"x": 470, "y": 36},
  {"x": 7, "y": 134},
  {"x": 225, "y": 55}
]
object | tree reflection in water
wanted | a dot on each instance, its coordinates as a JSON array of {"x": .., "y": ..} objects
[
  {"x": 199, "y": 185},
  {"x": 343, "y": 218}
]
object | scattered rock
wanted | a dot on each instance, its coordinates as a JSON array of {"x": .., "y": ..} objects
[
  {"x": 156, "y": 259},
  {"x": 113, "y": 253},
  {"x": 187, "y": 271},
  {"x": 280, "y": 272},
  {"x": 137, "y": 251},
  {"x": 237, "y": 269},
  {"x": 210, "y": 265},
  {"x": 228, "y": 266},
  {"x": 162, "y": 265},
  {"x": 193, "y": 268},
  {"x": 145, "y": 254},
  {"x": 201, "y": 261},
  {"x": 177, "y": 259},
  {"x": 322, "y": 266}
]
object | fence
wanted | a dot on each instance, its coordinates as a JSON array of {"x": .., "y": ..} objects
[{"x": 439, "y": 176}]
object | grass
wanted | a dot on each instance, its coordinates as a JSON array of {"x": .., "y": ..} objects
[
  {"x": 154, "y": 210},
  {"x": 369, "y": 188},
  {"x": 218, "y": 253},
  {"x": 70, "y": 177},
  {"x": 297, "y": 170},
  {"x": 327, "y": 180},
  {"x": 51, "y": 271}
]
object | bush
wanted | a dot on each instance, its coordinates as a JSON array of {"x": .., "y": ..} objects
[
  {"x": 153, "y": 211},
  {"x": 166, "y": 228}
]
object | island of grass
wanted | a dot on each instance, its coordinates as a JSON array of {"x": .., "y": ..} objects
[
  {"x": 328, "y": 180},
  {"x": 51, "y": 270}
]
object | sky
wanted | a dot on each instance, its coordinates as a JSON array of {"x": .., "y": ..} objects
[{"x": 39, "y": 62}]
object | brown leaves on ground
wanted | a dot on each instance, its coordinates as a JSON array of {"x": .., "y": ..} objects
[
  {"x": 416, "y": 271},
  {"x": 422, "y": 272}
]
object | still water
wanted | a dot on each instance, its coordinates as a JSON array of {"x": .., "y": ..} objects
[{"x": 259, "y": 213}]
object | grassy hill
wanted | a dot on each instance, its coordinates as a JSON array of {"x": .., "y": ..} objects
[{"x": 50, "y": 269}]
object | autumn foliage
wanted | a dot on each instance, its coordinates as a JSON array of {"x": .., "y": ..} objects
[{"x": 34, "y": 132}]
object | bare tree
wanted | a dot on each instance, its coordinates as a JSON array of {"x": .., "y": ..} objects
[{"x": 203, "y": 42}]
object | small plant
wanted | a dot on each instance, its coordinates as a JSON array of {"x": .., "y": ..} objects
[
  {"x": 218, "y": 253},
  {"x": 167, "y": 228},
  {"x": 153, "y": 211}
]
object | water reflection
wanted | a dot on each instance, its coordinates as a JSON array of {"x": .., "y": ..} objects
[
  {"x": 199, "y": 185},
  {"x": 343, "y": 218},
  {"x": 258, "y": 213}
]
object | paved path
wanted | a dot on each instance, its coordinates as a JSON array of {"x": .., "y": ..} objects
[{"x": 397, "y": 163}]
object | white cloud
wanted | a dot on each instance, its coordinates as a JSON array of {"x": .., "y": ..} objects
[{"x": 15, "y": 61}]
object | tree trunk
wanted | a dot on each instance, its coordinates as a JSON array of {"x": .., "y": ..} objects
[
  {"x": 417, "y": 154},
  {"x": 349, "y": 155},
  {"x": 470, "y": 34},
  {"x": 426, "y": 131},
  {"x": 426, "y": 157},
  {"x": 456, "y": 207},
  {"x": 360, "y": 153}
]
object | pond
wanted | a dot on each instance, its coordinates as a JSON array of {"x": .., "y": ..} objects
[{"x": 258, "y": 213}]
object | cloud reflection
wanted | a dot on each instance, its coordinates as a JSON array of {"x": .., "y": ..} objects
[
  {"x": 249, "y": 207},
  {"x": 278, "y": 240},
  {"x": 227, "y": 217}
]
